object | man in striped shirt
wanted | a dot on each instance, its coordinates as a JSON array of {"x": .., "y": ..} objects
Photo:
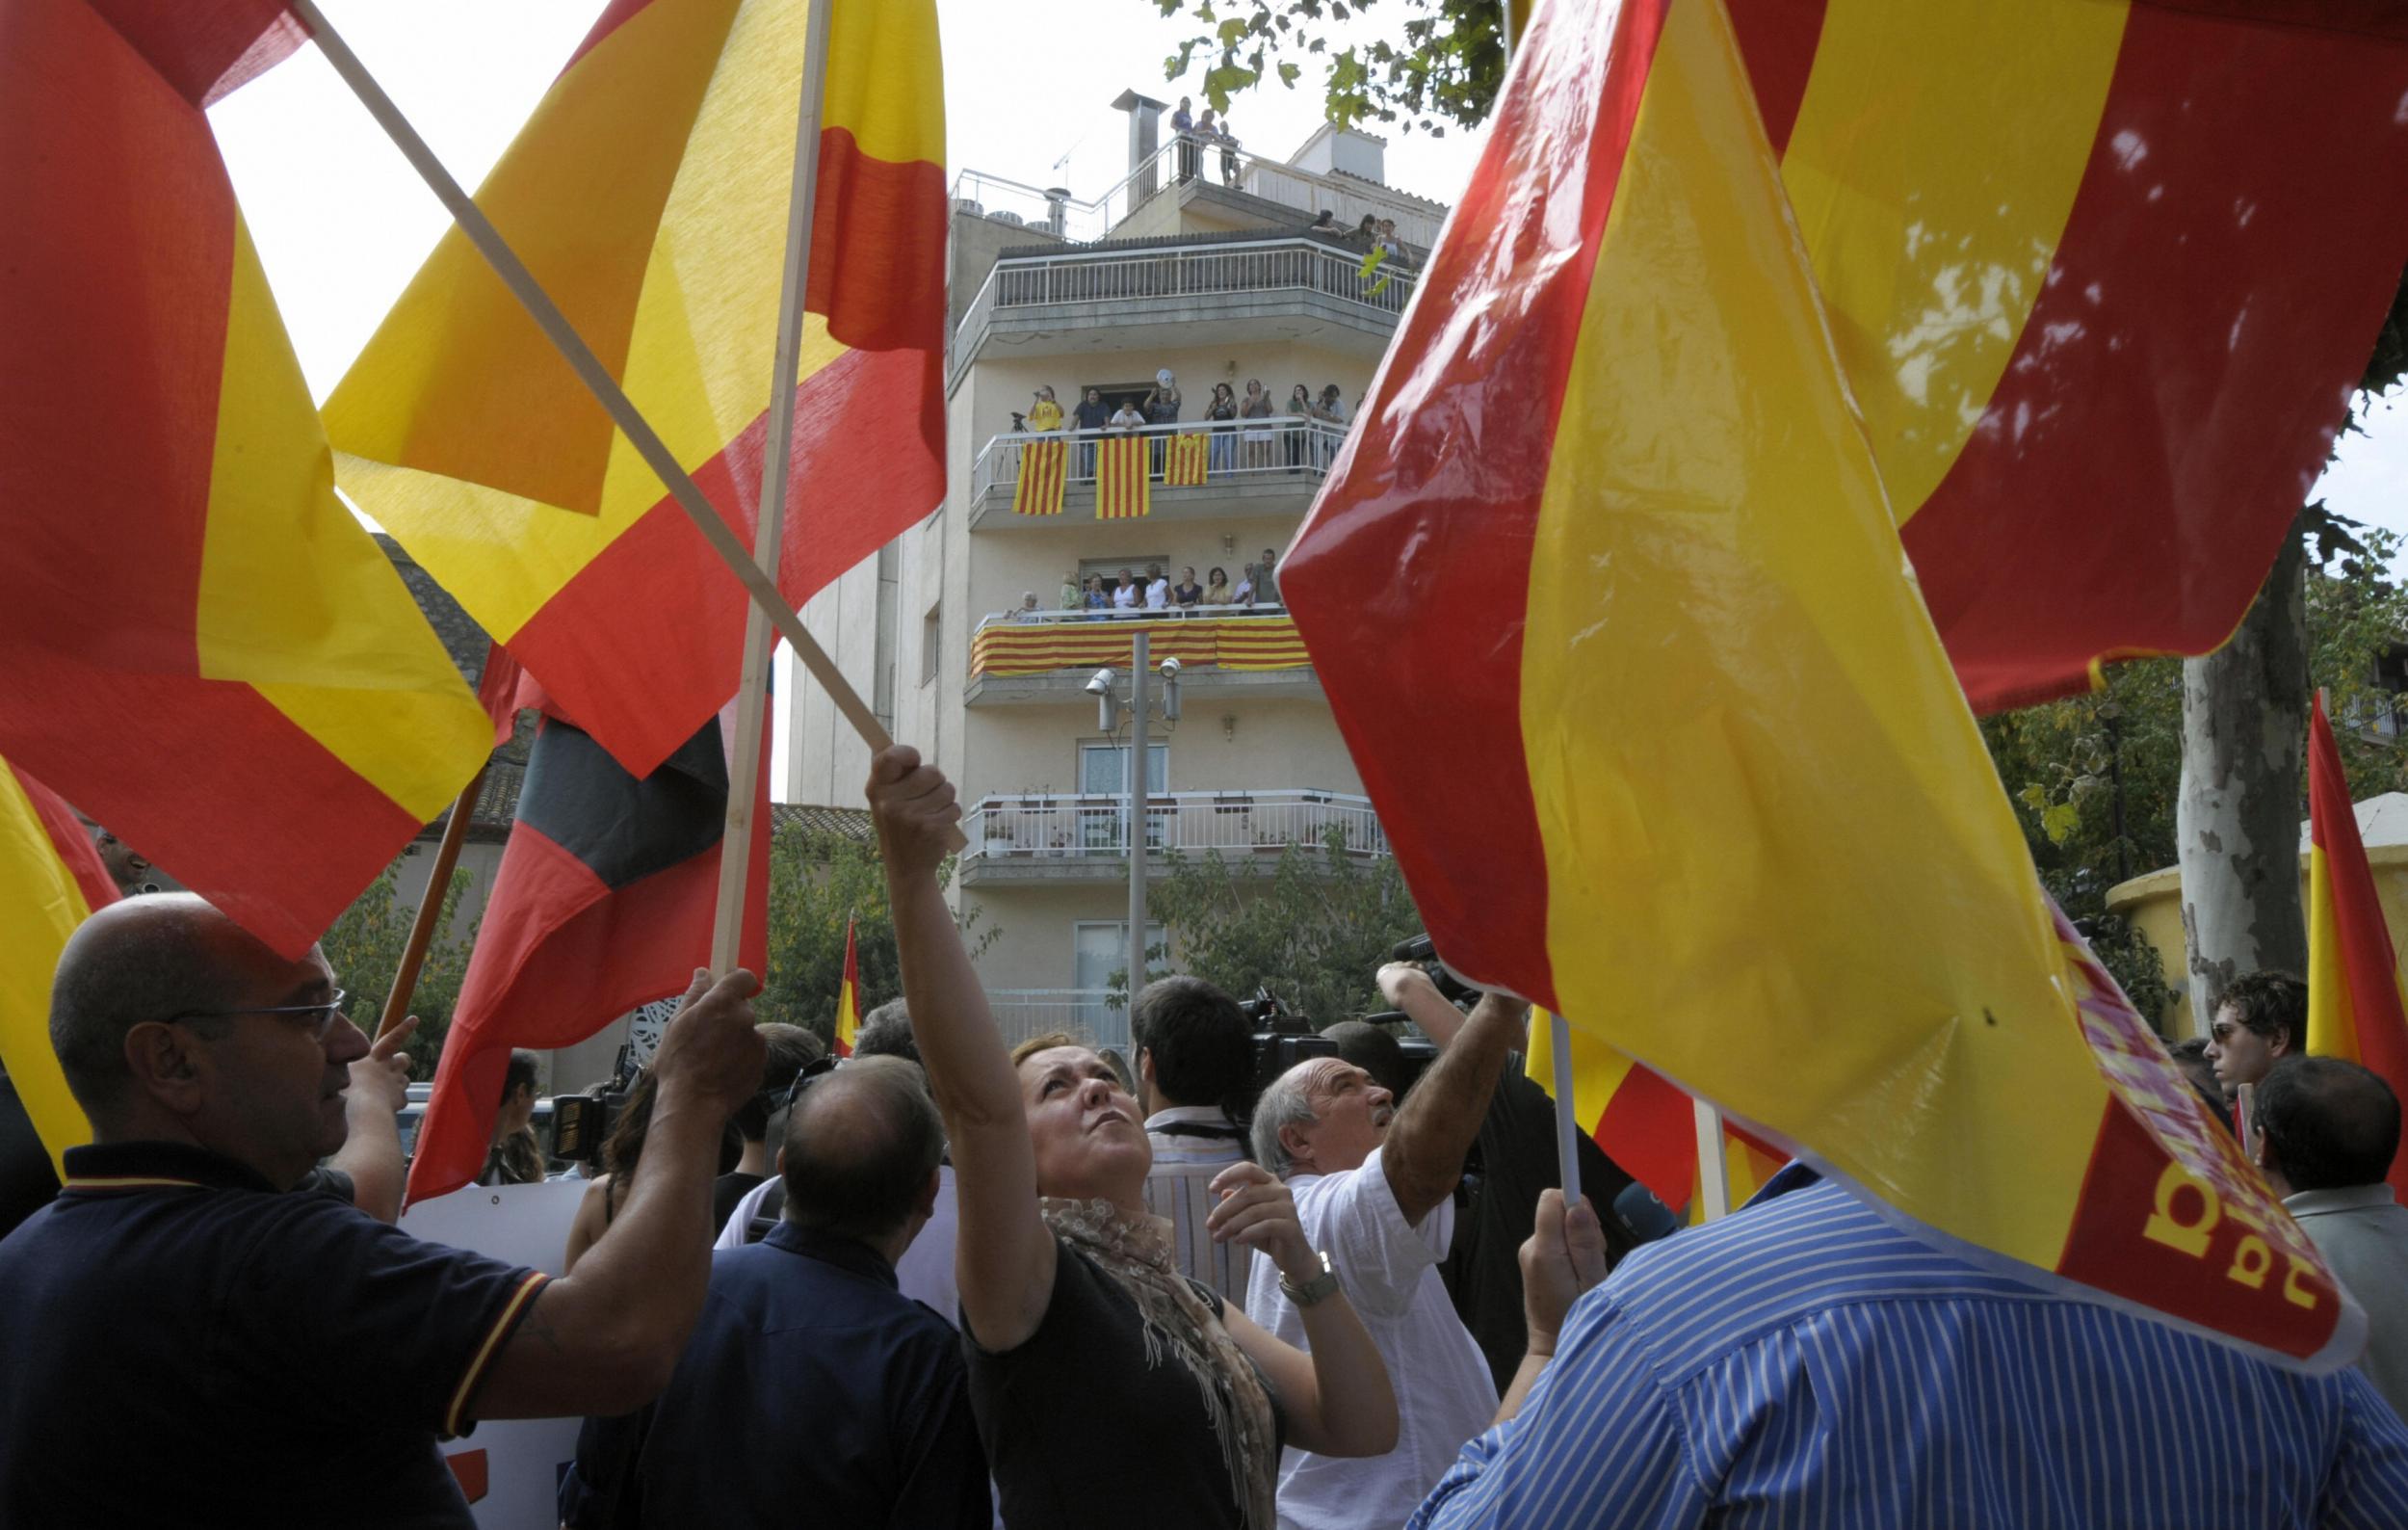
[
  {"x": 1805, "y": 1362},
  {"x": 1195, "y": 1071}
]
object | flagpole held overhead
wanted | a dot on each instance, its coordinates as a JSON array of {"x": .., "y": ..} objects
[{"x": 431, "y": 902}]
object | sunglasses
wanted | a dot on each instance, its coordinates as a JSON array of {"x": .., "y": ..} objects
[{"x": 812, "y": 1072}]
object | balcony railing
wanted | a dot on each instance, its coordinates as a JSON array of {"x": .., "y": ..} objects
[
  {"x": 1037, "y": 828},
  {"x": 1154, "y": 276},
  {"x": 1088, "y": 1013},
  {"x": 1285, "y": 448},
  {"x": 1201, "y": 637},
  {"x": 1348, "y": 199}
]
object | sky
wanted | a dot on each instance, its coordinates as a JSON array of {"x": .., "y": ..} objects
[{"x": 341, "y": 221}]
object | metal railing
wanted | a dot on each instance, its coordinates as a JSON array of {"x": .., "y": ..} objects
[
  {"x": 1348, "y": 199},
  {"x": 1160, "y": 275},
  {"x": 1041, "y": 617},
  {"x": 1283, "y": 447},
  {"x": 1088, "y": 1013},
  {"x": 1045, "y": 825}
]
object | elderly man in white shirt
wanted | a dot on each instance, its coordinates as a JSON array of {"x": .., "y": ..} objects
[{"x": 1374, "y": 1186}]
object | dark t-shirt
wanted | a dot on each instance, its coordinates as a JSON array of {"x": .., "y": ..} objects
[
  {"x": 26, "y": 1180},
  {"x": 1081, "y": 1430},
  {"x": 725, "y": 1191},
  {"x": 1091, "y": 416},
  {"x": 1517, "y": 1157},
  {"x": 183, "y": 1345}
]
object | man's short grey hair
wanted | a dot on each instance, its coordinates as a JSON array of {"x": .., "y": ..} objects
[
  {"x": 860, "y": 1143},
  {"x": 886, "y": 1031},
  {"x": 151, "y": 958},
  {"x": 1286, "y": 1102}
]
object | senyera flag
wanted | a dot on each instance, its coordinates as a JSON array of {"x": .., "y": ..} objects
[
  {"x": 648, "y": 194},
  {"x": 51, "y": 880},
  {"x": 2354, "y": 1003},
  {"x": 603, "y": 901},
  {"x": 849, "y": 998},
  {"x": 1709, "y": 786},
  {"x": 2101, "y": 277},
  {"x": 205, "y": 650}
]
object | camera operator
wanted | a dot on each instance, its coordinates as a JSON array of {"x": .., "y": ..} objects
[
  {"x": 1516, "y": 1151},
  {"x": 1195, "y": 1076}
]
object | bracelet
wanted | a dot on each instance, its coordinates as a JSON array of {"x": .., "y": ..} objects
[{"x": 1318, "y": 1289}]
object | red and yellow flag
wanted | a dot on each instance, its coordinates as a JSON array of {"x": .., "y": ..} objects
[
  {"x": 1644, "y": 1122},
  {"x": 849, "y": 998},
  {"x": 2354, "y": 1004},
  {"x": 648, "y": 194},
  {"x": 1715, "y": 793},
  {"x": 1184, "y": 461},
  {"x": 2101, "y": 277},
  {"x": 1044, "y": 471},
  {"x": 51, "y": 880},
  {"x": 202, "y": 648},
  {"x": 1122, "y": 489}
]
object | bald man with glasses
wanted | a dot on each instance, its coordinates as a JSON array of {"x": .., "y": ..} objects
[{"x": 186, "y": 1344}]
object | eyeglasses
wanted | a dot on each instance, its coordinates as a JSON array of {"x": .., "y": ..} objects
[
  {"x": 318, "y": 1019},
  {"x": 813, "y": 1071}
]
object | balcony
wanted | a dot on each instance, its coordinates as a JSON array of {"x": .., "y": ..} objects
[
  {"x": 1088, "y": 1013},
  {"x": 1049, "y": 839},
  {"x": 1042, "y": 657},
  {"x": 1252, "y": 468},
  {"x": 1148, "y": 295}
]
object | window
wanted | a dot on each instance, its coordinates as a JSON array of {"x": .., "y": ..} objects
[
  {"x": 1104, "y": 768},
  {"x": 1100, "y": 949},
  {"x": 932, "y": 644}
]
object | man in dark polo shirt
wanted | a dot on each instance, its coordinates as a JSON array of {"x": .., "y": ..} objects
[
  {"x": 812, "y": 1384},
  {"x": 185, "y": 1344}
]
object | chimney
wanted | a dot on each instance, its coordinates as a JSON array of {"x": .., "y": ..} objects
[{"x": 1145, "y": 140}]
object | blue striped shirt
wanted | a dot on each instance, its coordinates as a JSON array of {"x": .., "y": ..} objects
[{"x": 1804, "y": 1363}]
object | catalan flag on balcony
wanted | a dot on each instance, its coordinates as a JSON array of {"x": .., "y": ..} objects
[
  {"x": 1044, "y": 470},
  {"x": 2354, "y": 1005},
  {"x": 2061, "y": 245},
  {"x": 203, "y": 649},
  {"x": 1184, "y": 462},
  {"x": 649, "y": 193},
  {"x": 1707, "y": 741},
  {"x": 51, "y": 880},
  {"x": 1122, "y": 491},
  {"x": 1006, "y": 648}
]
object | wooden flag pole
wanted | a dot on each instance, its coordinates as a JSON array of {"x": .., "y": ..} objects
[
  {"x": 655, "y": 452},
  {"x": 431, "y": 902},
  {"x": 743, "y": 769},
  {"x": 1567, "y": 1117},
  {"x": 1713, "y": 1169}
]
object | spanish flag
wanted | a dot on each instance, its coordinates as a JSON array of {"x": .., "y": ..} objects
[
  {"x": 2102, "y": 276},
  {"x": 2354, "y": 1005},
  {"x": 51, "y": 880},
  {"x": 202, "y": 646},
  {"x": 1714, "y": 791},
  {"x": 648, "y": 194},
  {"x": 849, "y": 1000},
  {"x": 1643, "y": 1122}
]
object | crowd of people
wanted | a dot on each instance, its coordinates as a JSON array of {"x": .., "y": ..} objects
[
  {"x": 1244, "y": 431},
  {"x": 1131, "y": 593},
  {"x": 947, "y": 1280}
]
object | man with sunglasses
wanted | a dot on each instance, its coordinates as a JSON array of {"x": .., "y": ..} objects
[{"x": 274, "y": 1358}]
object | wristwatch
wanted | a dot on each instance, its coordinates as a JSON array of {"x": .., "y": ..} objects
[{"x": 1315, "y": 1291}]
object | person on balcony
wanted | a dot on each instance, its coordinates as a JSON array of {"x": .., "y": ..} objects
[
  {"x": 1045, "y": 416},
  {"x": 1183, "y": 124},
  {"x": 1091, "y": 416},
  {"x": 1127, "y": 418},
  {"x": 1330, "y": 410},
  {"x": 1071, "y": 599},
  {"x": 1125, "y": 594},
  {"x": 1256, "y": 438},
  {"x": 1097, "y": 597},
  {"x": 1266, "y": 578},
  {"x": 1157, "y": 588},
  {"x": 1242, "y": 597},
  {"x": 1223, "y": 412},
  {"x": 1228, "y": 141},
  {"x": 1105, "y": 1385},
  {"x": 1216, "y": 587},
  {"x": 1161, "y": 408},
  {"x": 1299, "y": 425},
  {"x": 1186, "y": 592},
  {"x": 1028, "y": 611}
]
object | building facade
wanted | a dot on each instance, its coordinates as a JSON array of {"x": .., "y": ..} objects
[{"x": 1216, "y": 266}]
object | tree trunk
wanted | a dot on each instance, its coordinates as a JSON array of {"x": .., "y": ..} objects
[{"x": 2245, "y": 720}]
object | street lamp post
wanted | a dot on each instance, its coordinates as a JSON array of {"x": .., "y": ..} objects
[{"x": 1134, "y": 782}]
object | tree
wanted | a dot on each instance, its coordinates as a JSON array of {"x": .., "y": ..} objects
[
  {"x": 1447, "y": 70},
  {"x": 365, "y": 946},
  {"x": 816, "y": 880},
  {"x": 1314, "y": 928}
]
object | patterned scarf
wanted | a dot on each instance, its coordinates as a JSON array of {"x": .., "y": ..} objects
[{"x": 1133, "y": 1251}]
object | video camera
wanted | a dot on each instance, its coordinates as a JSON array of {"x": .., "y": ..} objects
[
  {"x": 1281, "y": 1039},
  {"x": 580, "y": 1122}
]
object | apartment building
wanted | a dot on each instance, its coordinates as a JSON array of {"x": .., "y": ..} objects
[{"x": 1204, "y": 261}]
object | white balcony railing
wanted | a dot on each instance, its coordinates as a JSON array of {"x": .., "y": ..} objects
[
  {"x": 1155, "y": 276},
  {"x": 1033, "y": 828},
  {"x": 1347, "y": 199},
  {"x": 1268, "y": 611},
  {"x": 1088, "y": 1013},
  {"x": 1284, "y": 448}
]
